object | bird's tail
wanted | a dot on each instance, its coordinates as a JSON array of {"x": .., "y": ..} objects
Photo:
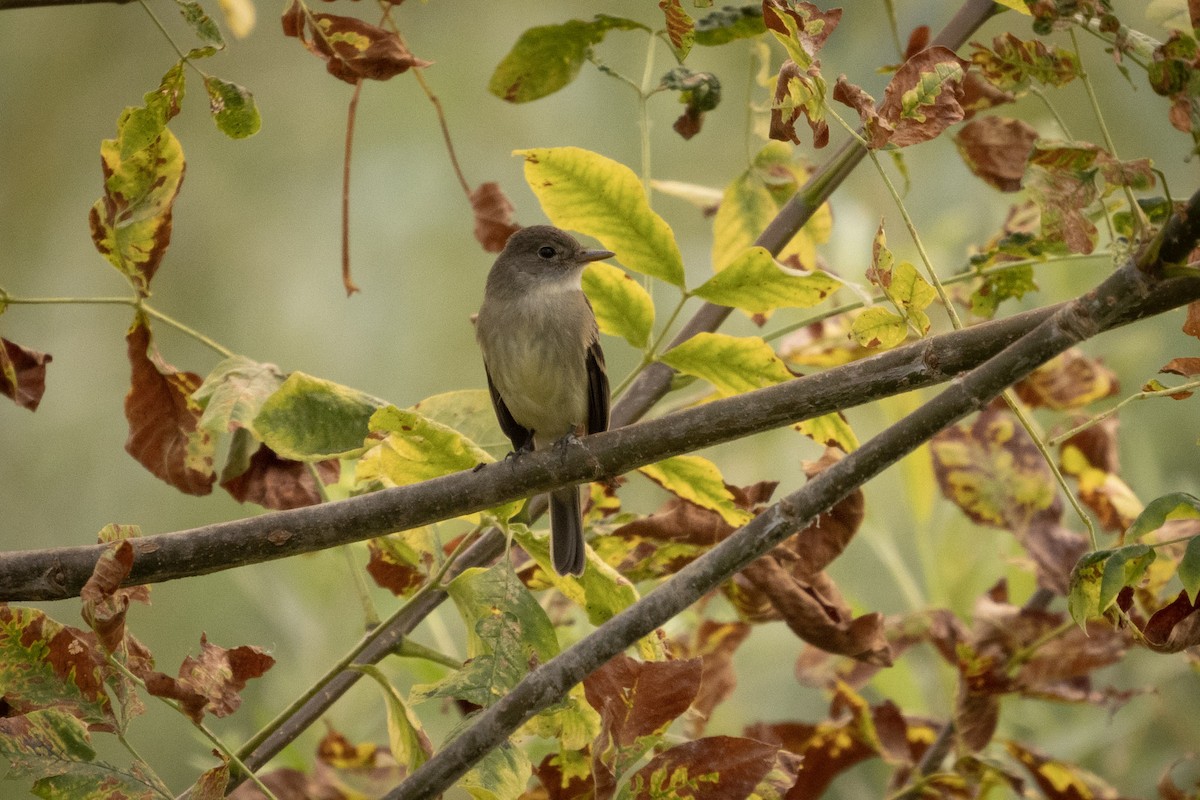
[{"x": 566, "y": 531}]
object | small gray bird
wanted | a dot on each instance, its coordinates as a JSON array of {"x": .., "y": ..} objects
[{"x": 545, "y": 369}]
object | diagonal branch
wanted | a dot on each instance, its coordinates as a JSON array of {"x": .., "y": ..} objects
[{"x": 1070, "y": 324}]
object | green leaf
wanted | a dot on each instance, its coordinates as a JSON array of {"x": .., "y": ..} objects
[
  {"x": 1124, "y": 567},
  {"x": 468, "y": 411},
  {"x": 406, "y": 738},
  {"x": 623, "y": 308},
  {"x": 729, "y": 24},
  {"x": 698, "y": 481},
  {"x": 508, "y": 633},
  {"x": 732, "y": 364},
  {"x": 416, "y": 449},
  {"x": 1177, "y": 505},
  {"x": 44, "y": 742},
  {"x": 234, "y": 391},
  {"x": 1189, "y": 568},
  {"x": 879, "y": 327},
  {"x": 233, "y": 108},
  {"x": 548, "y": 57},
  {"x": 310, "y": 419},
  {"x": 501, "y": 774},
  {"x": 1083, "y": 594},
  {"x": 756, "y": 283},
  {"x": 131, "y": 224},
  {"x": 586, "y": 192},
  {"x": 201, "y": 23}
]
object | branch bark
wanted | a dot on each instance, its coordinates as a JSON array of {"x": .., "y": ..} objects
[
  {"x": 1070, "y": 324},
  {"x": 58, "y": 573}
]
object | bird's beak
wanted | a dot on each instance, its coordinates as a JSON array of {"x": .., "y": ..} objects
[{"x": 587, "y": 256}]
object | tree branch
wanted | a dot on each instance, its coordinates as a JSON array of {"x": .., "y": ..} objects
[
  {"x": 1070, "y": 324},
  {"x": 7, "y": 4},
  {"x": 57, "y": 573}
]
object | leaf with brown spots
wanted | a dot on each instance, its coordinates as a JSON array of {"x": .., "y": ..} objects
[
  {"x": 352, "y": 50},
  {"x": 714, "y": 768},
  {"x": 1068, "y": 381},
  {"x": 681, "y": 30},
  {"x": 164, "y": 435},
  {"x": 638, "y": 698},
  {"x": 1090, "y": 457},
  {"x": 22, "y": 373},
  {"x": 922, "y": 99},
  {"x": 992, "y": 470},
  {"x": 212, "y": 681}
]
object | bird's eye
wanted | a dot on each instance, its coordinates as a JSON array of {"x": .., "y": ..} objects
[{"x": 547, "y": 252}]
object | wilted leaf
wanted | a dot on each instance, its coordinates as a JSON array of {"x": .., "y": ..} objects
[
  {"x": 800, "y": 27},
  {"x": 638, "y": 698},
  {"x": 200, "y": 22},
  {"x": 996, "y": 150},
  {"x": 164, "y": 432},
  {"x": 131, "y": 223},
  {"x": 1174, "y": 627},
  {"x": 494, "y": 221},
  {"x": 732, "y": 364},
  {"x": 1090, "y": 457},
  {"x": 799, "y": 91},
  {"x": 104, "y": 602},
  {"x": 353, "y": 50},
  {"x": 583, "y": 191},
  {"x": 622, "y": 306},
  {"x": 546, "y": 58},
  {"x": 877, "y": 129},
  {"x": 22, "y": 374},
  {"x": 212, "y": 681},
  {"x": 399, "y": 562},
  {"x": 234, "y": 391}
]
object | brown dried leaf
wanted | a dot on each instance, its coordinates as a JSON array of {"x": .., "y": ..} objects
[
  {"x": 714, "y": 643},
  {"x": 104, "y": 602},
  {"x": 1061, "y": 181},
  {"x": 812, "y": 26},
  {"x": 1070, "y": 380},
  {"x": 1185, "y": 367},
  {"x": 394, "y": 564},
  {"x": 22, "y": 373},
  {"x": 638, "y": 698},
  {"x": 826, "y": 752},
  {"x": 560, "y": 786},
  {"x": 996, "y": 150},
  {"x": 1191, "y": 325},
  {"x": 1059, "y": 780},
  {"x": 278, "y": 483},
  {"x": 353, "y": 50},
  {"x": 164, "y": 435},
  {"x": 494, "y": 221},
  {"x": 1053, "y": 548},
  {"x": 798, "y": 92},
  {"x": 922, "y": 99},
  {"x": 714, "y": 768},
  {"x": 816, "y": 612},
  {"x": 877, "y": 129},
  {"x": 211, "y": 682},
  {"x": 1174, "y": 627}
]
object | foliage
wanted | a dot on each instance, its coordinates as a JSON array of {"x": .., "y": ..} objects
[{"x": 638, "y": 726}]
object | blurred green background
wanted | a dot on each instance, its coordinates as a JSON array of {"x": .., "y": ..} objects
[{"x": 254, "y": 263}]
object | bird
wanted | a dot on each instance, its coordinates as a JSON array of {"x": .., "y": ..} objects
[{"x": 545, "y": 368}]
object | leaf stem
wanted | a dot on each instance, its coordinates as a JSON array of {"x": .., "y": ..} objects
[{"x": 1083, "y": 426}]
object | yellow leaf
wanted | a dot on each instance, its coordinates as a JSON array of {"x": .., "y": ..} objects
[
  {"x": 732, "y": 364},
  {"x": 698, "y": 481}
]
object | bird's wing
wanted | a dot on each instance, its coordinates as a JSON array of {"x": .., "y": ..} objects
[
  {"x": 597, "y": 389},
  {"x": 520, "y": 436}
]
